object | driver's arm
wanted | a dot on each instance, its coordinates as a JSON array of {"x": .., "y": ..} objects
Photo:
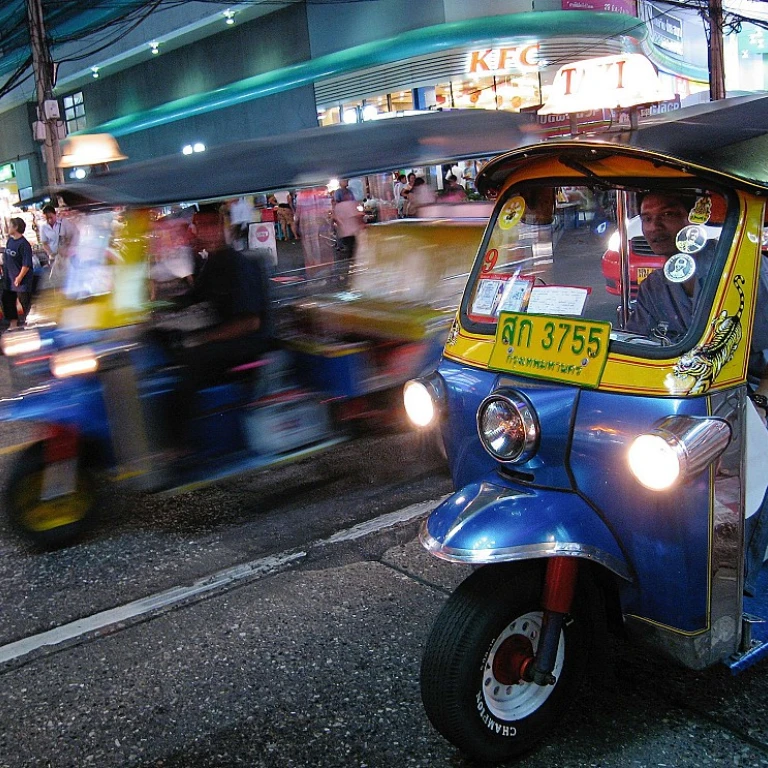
[{"x": 235, "y": 328}]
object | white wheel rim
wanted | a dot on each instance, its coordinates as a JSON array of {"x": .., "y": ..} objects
[{"x": 517, "y": 701}]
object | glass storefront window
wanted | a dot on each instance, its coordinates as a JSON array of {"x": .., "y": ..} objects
[
  {"x": 74, "y": 112},
  {"x": 508, "y": 92}
]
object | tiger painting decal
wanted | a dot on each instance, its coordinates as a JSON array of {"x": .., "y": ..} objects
[{"x": 695, "y": 372}]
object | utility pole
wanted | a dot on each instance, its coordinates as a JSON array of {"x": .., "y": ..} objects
[
  {"x": 47, "y": 114},
  {"x": 716, "y": 60}
]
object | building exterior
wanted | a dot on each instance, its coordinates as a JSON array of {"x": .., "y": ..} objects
[{"x": 201, "y": 74}]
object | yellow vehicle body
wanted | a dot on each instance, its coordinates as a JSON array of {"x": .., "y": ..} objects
[{"x": 704, "y": 367}]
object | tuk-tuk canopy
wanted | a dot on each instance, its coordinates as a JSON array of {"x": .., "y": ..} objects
[
  {"x": 727, "y": 138},
  {"x": 307, "y": 158}
]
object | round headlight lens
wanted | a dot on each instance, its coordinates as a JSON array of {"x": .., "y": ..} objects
[
  {"x": 508, "y": 427},
  {"x": 418, "y": 403}
]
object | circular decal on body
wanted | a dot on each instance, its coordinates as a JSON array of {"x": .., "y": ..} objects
[
  {"x": 701, "y": 211},
  {"x": 512, "y": 212},
  {"x": 679, "y": 268},
  {"x": 691, "y": 239},
  {"x": 490, "y": 259}
]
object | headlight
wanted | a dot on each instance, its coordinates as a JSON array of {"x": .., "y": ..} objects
[
  {"x": 20, "y": 342},
  {"x": 422, "y": 399},
  {"x": 614, "y": 242},
  {"x": 508, "y": 427},
  {"x": 678, "y": 448},
  {"x": 74, "y": 362}
]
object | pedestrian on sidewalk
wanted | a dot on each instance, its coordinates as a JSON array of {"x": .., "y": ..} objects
[{"x": 17, "y": 274}]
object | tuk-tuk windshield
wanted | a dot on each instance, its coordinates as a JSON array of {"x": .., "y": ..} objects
[{"x": 556, "y": 250}]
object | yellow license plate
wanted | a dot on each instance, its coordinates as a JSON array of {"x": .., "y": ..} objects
[
  {"x": 642, "y": 273},
  {"x": 561, "y": 348}
]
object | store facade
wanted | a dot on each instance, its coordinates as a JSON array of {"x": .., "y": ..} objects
[{"x": 306, "y": 64}]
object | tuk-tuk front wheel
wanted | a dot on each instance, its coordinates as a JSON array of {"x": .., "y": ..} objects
[
  {"x": 471, "y": 675},
  {"x": 47, "y": 523}
]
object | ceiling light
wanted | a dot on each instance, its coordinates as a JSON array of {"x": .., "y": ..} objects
[
  {"x": 95, "y": 71},
  {"x": 198, "y": 146},
  {"x": 229, "y": 16},
  {"x": 187, "y": 149},
  {"x": 154, "y": 47}
]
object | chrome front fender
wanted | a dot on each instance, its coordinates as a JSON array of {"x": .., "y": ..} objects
[{"x": 486, "y": 522}]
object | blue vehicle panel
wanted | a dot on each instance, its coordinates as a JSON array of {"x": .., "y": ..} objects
[
  {"x": 554, "y": 404},
  {"x": 496, "y": 519},
  {"x": 667, "y": 546}
]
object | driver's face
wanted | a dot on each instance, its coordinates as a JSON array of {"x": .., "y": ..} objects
[
  {"x": 210, "y": 232},
  {"x": 662, "y": 217}
]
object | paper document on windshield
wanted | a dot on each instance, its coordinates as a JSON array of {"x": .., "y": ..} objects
[{"x": 558, "y": 299}]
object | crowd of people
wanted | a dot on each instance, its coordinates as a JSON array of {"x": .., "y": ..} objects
[
  {"x": 412, "y": 192},
  {"x": 332, "y": 221}
]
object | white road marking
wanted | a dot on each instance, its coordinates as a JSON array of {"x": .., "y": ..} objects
[
  {"x": 100, "y": 623},
  {"x": 384, "y": 521}
]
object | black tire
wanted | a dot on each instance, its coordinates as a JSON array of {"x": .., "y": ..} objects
[
  {"x": 47, "y": 524},
  {"x": 488, "y": 720}
]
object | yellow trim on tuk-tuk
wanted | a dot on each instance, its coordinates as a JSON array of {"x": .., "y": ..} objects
[{"x": 719, "y": 358}]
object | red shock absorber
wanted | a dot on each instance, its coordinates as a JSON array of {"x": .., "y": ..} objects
[
  {"x": 556, "y": 600},
  {"x": 560, "y": 584},
  {"x": 61, "y": 443}
]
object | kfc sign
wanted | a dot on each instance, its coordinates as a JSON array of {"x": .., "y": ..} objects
[{"x": 493, "y": 61}]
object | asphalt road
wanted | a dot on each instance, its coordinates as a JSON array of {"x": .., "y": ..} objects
[
  {"x": 316, "y": 663},
  {"x": 278, "y": 620}
]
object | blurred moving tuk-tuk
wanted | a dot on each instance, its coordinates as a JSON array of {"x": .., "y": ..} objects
[{"x": 98, "y": 382}]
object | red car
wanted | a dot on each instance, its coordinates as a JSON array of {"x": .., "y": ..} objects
[{"x": 642, "y": 260}]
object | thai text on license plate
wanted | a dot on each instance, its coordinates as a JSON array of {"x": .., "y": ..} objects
[{"x": 547, "y": 347}]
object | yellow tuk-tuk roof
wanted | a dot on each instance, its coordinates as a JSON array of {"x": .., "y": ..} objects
[{"x": 726, "y": 140}]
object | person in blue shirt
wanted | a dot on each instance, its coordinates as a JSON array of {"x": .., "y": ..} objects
[{"x": 17, "y": 274}]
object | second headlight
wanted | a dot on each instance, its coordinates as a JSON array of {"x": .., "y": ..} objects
[{"x": 508, "y": 427}]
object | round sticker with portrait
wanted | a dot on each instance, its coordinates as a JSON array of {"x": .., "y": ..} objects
[{"x": 512, "y": 212}]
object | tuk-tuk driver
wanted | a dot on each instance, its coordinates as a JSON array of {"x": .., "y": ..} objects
[
  {"x": 235, "y": 287},
  {"x": 663, "y": 308}
]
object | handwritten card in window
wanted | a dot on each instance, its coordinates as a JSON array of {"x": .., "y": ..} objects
[{"x": 558, "y": 299}]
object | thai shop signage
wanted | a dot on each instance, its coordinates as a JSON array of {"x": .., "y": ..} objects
[
  {"x": 513, "y": 58},
  {"x": 7, "y": 172},
  {"x": 595, "y": 120},
  {"x": 628, "y": 7},
  {"x": 666, "y": 30}
]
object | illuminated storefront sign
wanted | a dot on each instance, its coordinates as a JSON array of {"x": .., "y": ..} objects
[
  {"x": 7, "y": 172},
  {"x": 608, "y": 82},
  {"x": 666, "y": 30},
  {"x": 628, "y": 7},
  {"x": 514, "y": 58}
]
